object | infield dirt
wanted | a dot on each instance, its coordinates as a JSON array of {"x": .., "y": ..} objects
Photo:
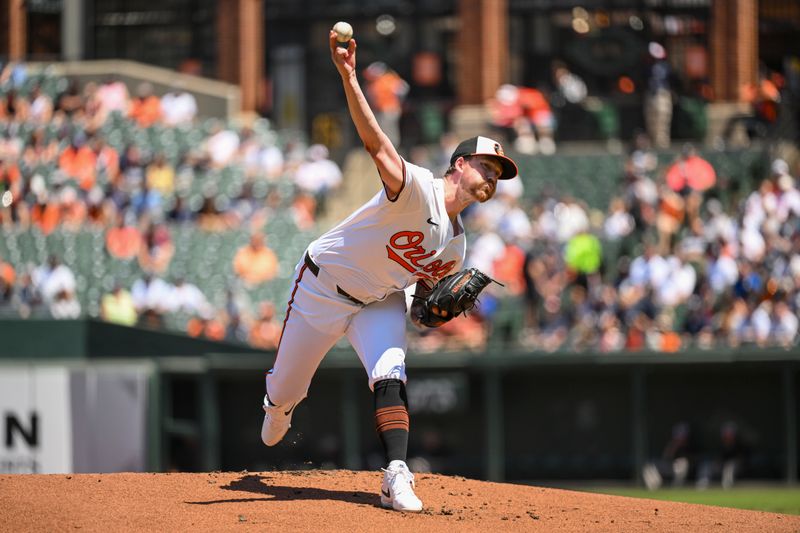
[{"x": 339, "y": 501}]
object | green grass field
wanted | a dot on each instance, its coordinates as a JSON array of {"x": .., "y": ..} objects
[{"x": 768, "y": 498}]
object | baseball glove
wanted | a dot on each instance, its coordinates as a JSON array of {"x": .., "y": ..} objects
[{"x": 451, "y": 296}]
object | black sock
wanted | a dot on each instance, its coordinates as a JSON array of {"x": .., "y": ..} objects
[{"x": 391, "y": 418}]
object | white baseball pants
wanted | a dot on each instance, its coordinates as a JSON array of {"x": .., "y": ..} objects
[{"x": 317, "y": 317}]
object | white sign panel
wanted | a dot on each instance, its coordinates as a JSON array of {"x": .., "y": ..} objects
[{"x": 35, "y": 420}]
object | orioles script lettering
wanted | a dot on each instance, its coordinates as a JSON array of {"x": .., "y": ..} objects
[{"x": 405, "y": 248}]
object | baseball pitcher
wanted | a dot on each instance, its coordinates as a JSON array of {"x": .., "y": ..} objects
[{"x": 351, "y": 280}]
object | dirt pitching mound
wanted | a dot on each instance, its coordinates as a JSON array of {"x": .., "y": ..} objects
[{"x": 338, "y": 501}]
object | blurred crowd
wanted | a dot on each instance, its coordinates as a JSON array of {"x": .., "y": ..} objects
[
  {"x": 672, "y": 263},
  {"x": 135, "y": 167}
]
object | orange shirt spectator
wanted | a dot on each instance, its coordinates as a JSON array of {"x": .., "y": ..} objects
[
  {"x": 508, "y": 269},
  {"x": 146, "y": 107},
  {"x": 107, "y": 160},
  {"x": 266, "y": 331},
  {"x": 7, "y": 273},
  {"x": 78, "y": 162},
  {"x": 9, "y": 173},
  {"x": 385, "y": 88},
  {"x": 46, "y": 216},
  {"x": 304, "y": 208},
  {"x": 536, "y": 107},
  {"x": 254, "y": 262},
  {"x": 123, "y": 242},
  {"x": 210, "y": 329}
]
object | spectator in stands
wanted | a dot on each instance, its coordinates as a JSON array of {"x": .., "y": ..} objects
[
  {"x": 7, "y": 277},
  {"x": 145, "y": 200},
  {"x": 524, "y": 114},
  {"x": 206, "y": 326},
  {"x": 124, "y": 240},
  {"x": 145, "y": 107},
  {"x": 188, "y": 298},
  {"x": 27, "y": 297},
  {"x": 117, "y": 307},
  {"x": 73, "y": 209},
  {"x": 78, "y": 161},
  {"x": 41, "y": 106},
  {"x": 265, "y": 332},
  {"x": 270, "y": 161},
  {"x": 785, "y": 325},
  {"x": 152, "y": 299},
  {"x": 178, "y": 106},
  {"x": 318, "y": 175},
  {"x": 156, "y": 250},
  {"x": 788, "y": 195},
  {"x": 160, "y": 176},
  {"x": 658, "y": 98},
  {"x": 38, "y": 151},
  {"x": 13, "y": 107},
  {"x": 180, "y": 212},
  {"x": 619, "y": 223},
  {"x": 222, "y": 145},
  {"x": 209, "y": 217},
  {"x": 255, "y": 262},
  {"x": 112, "y": 97},
  {"x": 304, "y": 211},
  {"x": 65, "y": 306},
  {"x": 107, "y": 158},
  {"x": 101, "y": 212},
  {"x": 70, "y": 101},
  {"x": 386, "y": 91},
  {"x": 54, "y": 279},
  {"x": 7, "y": 308}
]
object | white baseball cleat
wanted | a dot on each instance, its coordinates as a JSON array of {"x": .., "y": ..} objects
[
  {"x": 277, "y": 421},
  {"x": 397, "y": 490}
]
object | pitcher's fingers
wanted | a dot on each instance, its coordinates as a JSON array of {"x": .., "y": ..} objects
[{"x": 332, "y": 40}]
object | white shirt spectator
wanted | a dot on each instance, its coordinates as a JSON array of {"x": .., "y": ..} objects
[
  {"x": 222, "y": 146},
  {"x": 318, "y": 174},
  {"x": 571, "y": 220},
  {"x": 50, "y": 281},
  {"x": 761, "y": 323},
  {"x": 789, "y": 199},
  {"x": 679, "y": 285},
  {"x": 653, "y": 271},
  {"x": 618, "y": 224},
  {"x": 785, "y": 325},
  {"x": 485, "y": 251},
  {"x": 188, "y": 298},
  {"x": 65, "y": 308},
  {"x": 753, "y": 244},
  {"x": 723, "y": 273},
  {"x": 178, "y": 107},
  {"x": 154, "y": 294},
  {"x": 514, "y": 225},
  {"x": 270, "y": 160}
]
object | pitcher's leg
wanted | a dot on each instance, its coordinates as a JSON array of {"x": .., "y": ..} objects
[
  {"x": 378, "y": 334},
  {"x": 300, "y": 353}
]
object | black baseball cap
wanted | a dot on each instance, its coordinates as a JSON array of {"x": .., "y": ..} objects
[{"x": 485, "y": 146}]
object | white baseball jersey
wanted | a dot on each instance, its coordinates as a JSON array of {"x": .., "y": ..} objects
[{"x": 388, "y": 245}]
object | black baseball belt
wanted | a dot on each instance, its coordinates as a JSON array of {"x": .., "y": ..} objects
[{"x": 314, "y": 268}]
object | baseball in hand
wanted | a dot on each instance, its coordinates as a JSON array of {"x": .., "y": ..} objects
[{"x": 344, "y": 31}]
